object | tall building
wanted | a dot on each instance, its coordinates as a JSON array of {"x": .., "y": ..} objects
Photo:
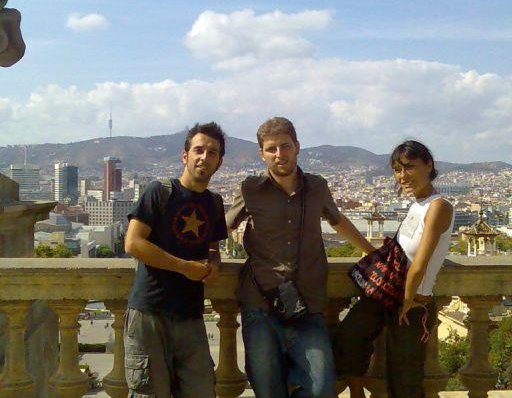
[
  {"x": 27, "y": 177},
  {"x": 112, "y": 176},
  {"x": 66, "y": 182},
  {"x": 108, "y": 213},
  {"x": 85, "y": 185}
]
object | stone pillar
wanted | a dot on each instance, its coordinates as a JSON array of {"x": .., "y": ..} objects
[
  {"x": 375, "y": 380},
  {"x": 69, "y": 381},
  {"x": 332, "y": 319},
  {"x": 15, "y": 380},
  {"x": 477, "y": 375},
  {"x": 436, "y": 378},
  {"x": 231, "y": 381},
  {"x": 115, "y": 382}
]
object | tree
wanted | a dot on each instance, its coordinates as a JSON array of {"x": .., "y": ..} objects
[
  {"x": 103, "y": 251},
  {"x": 61, "y": 251},
  {"x": 346, "y": 249},
  {"x": 453, "y": 353},
  {"x": 44, "y": 251},
  {"x": 460, "y": 247},
  {"x": 504, "y": 243},
  {"x": 239, "y": 251},
  {"x": 500, "y": 356}
]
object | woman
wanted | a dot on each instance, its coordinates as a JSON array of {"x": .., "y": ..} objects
[{"x": 425, "y": 237}]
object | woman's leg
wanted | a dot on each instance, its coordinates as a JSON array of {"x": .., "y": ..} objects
[
  {"x": 353, "y": 342},
  {"x": 405, "y": 352}
]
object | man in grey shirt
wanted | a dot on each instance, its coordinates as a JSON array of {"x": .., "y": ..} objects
[{"x": 298, "y": 354}]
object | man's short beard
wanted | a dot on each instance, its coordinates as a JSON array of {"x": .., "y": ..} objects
[{"x": 286, "y": 173}]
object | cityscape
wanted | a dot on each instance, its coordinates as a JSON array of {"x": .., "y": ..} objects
[
  {"x": 92, "y": 207},
  {"x": 96, "y": 100}
]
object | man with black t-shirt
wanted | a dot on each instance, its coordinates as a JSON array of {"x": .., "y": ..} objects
[{"x": 174, "y": 232}]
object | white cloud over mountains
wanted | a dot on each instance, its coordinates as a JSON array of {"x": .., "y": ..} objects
[
  {"x": 81, "y": 22},
  {"x": 241, "y": 39},
  {"x": 462, "y": 115}
]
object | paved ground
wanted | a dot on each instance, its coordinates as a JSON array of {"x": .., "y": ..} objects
[{"x": 99, "y": 332}]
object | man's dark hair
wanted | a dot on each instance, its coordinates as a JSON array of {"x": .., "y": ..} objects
[
  {"x": 274, "y": 126},
  {"x": 212, "y": 130}
]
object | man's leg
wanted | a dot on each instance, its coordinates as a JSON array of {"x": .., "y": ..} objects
[
  {"x": 264, "y": 354},
  {"x": 193, "y": 373},
  {"x": 311, "y": 360},
  {"x": 146, "y": 365},
  {"x": 406, "y": 352}
]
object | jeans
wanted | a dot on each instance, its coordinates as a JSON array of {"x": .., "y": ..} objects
[
  {"x": 288, "y": 360},
  {"x": 166, "y": 355}
]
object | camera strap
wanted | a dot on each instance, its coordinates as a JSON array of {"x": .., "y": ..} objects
[{"x": 273, "y": 292}]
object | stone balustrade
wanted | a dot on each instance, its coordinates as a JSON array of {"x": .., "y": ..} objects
[{"x": 67, "y": 284}]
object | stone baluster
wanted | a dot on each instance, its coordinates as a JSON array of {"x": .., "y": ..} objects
[
  {"x": 68, "y": 381},
  {"x": 115, "y": 382},
  {"x": 15, "y": 380},
  {"x": 332, "y": 319},
  {"x": 375, "y": 380},
  {"x": 231, "y": 382},
  {"x": 436, "y": 378},
  {"x": 477, "y": 375}
]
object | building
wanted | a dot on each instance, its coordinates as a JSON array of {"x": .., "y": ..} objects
[
  {"x": 74, "y": 214},
  {"x": 464, "y": 219},
  {"x": 112, "y": 176},
  {"x": 27, "y": 177},
  {"x": 55, "y": 223},
  {"x": 375, "y": 237},
  {"x": 481, "y": 238},
  {"x": 453, "y": 189},
  {"x": 66, "y": 182},
  {"x": 108, "y": 213},
  {"x": 85, "y": 185},
  {"x": 32, "y": 187}
]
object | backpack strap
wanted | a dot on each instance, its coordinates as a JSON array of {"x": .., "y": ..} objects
[
  {"x": 217, "y": 200},
  {"x": 165, "y": 194}
]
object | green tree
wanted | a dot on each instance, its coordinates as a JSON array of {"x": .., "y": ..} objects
[
  {"x": 62, "y": 251},
  {"x": 453, "y": 352},
  {"x": 500, "y": 356},
  {"x": 239, "y": 251},
  {"x": 460, "y": 247},
  {"x": 103, "y": 251},
  {"x": 44, "y": 251},
  {"x": 346, "y": 249},
  {"x": 504, "y": 243}
]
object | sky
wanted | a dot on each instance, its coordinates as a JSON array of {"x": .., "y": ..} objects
[{"x": 362, "y": 73}]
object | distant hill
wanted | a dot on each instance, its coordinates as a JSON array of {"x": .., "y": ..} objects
[{"x": 145, "y": 154}]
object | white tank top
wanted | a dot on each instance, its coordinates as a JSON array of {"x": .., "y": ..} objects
[{"x": 409, "y": 237}]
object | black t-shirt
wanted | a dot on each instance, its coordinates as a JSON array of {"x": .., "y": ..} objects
[{"x": 184, "y": 228}]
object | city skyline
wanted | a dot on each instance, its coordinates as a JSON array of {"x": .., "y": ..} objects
[{"x": 366, "y": 74}]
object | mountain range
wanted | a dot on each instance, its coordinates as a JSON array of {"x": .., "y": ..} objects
[{"x": 143, "y": 154}]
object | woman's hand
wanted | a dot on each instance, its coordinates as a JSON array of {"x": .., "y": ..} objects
[
  {"x": 404, "y": 309},
  {"x": 402, "y": 314}
]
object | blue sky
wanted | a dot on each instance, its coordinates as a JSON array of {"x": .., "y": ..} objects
[{"x": 364, "y": 73}]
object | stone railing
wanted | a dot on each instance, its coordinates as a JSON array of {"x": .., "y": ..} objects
[{"x": 67, "y": 284}]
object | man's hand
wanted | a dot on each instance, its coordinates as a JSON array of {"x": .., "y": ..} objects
[
  {"x": 196, "y": 270},
  {"x": 214, "y": 272}
]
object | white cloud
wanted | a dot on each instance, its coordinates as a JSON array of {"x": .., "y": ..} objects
[
  {"x": 462, "y": 115},
  {"x": 242, "y": 38},
  {"x": 79, "y": 22}
]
